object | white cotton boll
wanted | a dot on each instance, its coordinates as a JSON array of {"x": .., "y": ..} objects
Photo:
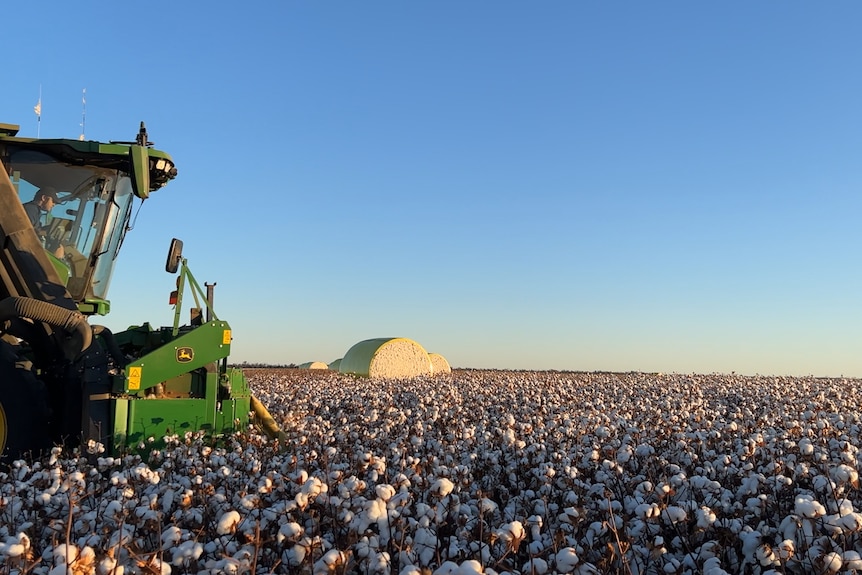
[
  {"x": 823, "y": 484},
  {"x": 536, "y": 565},
  {"x": 375, "y": 510},
  {"x": 301, "y": 500},
  {"x": 312, "y": 487},
  {"x": 487, "y": 505},
  {"x": 805, "y": 506},
  {"x": 712, "y": 566},
  {"x": 330, "y": 562},
  {"x": 12, "y": 550},
  {"x": 108, "y": 566},
  {"x": 64, "y": 554},
  {"x": 766, "y": 556},
  {"x": 806, "y": 447},
  {"x": 851, "y": 560},
  {"x": 384, "y": 491},
  {"x": 512, "y": 532},
  {"x": 786, "y": 549},
  {"x": 410, "y": 570},
  {"x": 186, "y": 552},
  {"x": 831, "y": 562},
  {"x": 586, "y": 569},
  {"x": 447, "y": 568},
  {"x": 675, "y": 514},
  {"x": 442, "y": 487},
  {"x": 380, "y": 563},
  {"x": 469, "y": 567},
  {"x": 291, "y": 531},
  {"x": 845, "y": 474},
  {"x": 228, "y": 522},
  {"x": 705, "y": 517},
  {"x": 170, "y": 537},
  {"x": 851, "y": 522},
  {"x": 566, "y": 560}
]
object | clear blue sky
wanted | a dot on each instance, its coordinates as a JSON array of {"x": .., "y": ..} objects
[{"x": 650, "y": 186}]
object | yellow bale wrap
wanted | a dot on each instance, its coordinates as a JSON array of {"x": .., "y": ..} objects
[
  {"x": 386, "y": 357},
  {"x": 313, "y": 365},
  {"x": 439, "y": 364}
]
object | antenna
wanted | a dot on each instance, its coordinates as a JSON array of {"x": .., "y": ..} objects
[
  {"x": 38, "y": 109},
  {"x": 83, "y": 113}
]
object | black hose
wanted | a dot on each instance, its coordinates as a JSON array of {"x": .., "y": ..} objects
[
  {"x": 36, "y": 310},
  {"x": 111, "y": 344}
]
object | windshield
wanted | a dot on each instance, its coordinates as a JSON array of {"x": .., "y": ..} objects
[{"x": 84, "y": 223}]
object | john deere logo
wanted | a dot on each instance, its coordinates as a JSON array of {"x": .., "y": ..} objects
[{"x": 185, "y": 354}]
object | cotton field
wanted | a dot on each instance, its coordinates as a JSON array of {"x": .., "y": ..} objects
[{"x": 468, "y": 472}]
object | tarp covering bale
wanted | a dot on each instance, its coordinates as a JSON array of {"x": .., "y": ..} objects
[
  {"x": 386, "y": 357},
  {"x": 335, "y": 365},
  {"x": 439, "y": 364},
  {"x": 313, "y": 365}
]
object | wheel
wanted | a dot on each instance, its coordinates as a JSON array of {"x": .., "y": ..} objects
[{"x": 23, "y": 413}]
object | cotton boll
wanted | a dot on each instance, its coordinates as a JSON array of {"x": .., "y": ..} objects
[
  {"x": 712, "y": 566},
  {"x": 228, "y": 522},
  {"x": 536, "y": 565},
  {"x": 384, "y": 491},
  {"x": 186, "y": 552},
  {"x": 447, "y": 568},
  {"x": 512, "y": 534},
  {"x": 785, "y": 550},
  {"x": 108, "y": 566},
  {"x": 469, "y": 567},
  {"x": 487, "y": 505},
  {"x": 830, "y": 562},
  {"x": 170, "y": 537},
  {"x": 442, "y": 487},
  {"x": 805, "y": 506},
  {"x": 566, "y": 559},
  {"x": 675, "y": 514},
  {"x": 291, "y": 531},
  {"x": 766, "y": 556},
  {"x": 851, "y": 560},
  {"x": 705, "y": 517}
]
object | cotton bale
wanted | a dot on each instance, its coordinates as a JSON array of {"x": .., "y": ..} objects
[
  {"x": 386, "y": 357},
  {"x": 313, "y": 365},
  {"x": 335, "y": 364},
  {"x": 439, "y": 364}
]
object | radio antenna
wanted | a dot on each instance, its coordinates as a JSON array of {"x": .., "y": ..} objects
[
  {"x": 38, "y": 109},
  {"x": 83, "y": 113}
]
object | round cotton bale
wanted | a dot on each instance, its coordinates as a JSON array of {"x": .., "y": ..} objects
[
  {"x": 335, "y": 365},
  {"x": 313, "y": 365},
  {"x": 386, "y": 358},
  {"x": 439, "y": 364}
]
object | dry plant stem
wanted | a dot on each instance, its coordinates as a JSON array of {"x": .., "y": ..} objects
[
  {"x": 256, "y": 546},
  {"x": 613, "y": 527}
]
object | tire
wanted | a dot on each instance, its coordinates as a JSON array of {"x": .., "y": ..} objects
[{"x": 23, "y": 413}]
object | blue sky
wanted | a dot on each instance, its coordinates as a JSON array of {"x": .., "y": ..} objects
[{"x": 650, "y": 186}]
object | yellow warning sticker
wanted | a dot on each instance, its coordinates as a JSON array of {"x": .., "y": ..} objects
[
  {"x": 225, "y": 338},
  {"x": 135, "y": 377}
]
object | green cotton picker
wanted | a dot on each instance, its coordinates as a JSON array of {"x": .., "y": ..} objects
[{"x": 65, "y": 207}]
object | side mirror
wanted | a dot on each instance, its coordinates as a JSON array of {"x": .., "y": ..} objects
[{"x": 175, "y": 256}]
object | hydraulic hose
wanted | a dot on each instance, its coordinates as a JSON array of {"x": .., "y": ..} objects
[
  {"x": 111, "y": 344},
  {"x": 70, "y": 321}
]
